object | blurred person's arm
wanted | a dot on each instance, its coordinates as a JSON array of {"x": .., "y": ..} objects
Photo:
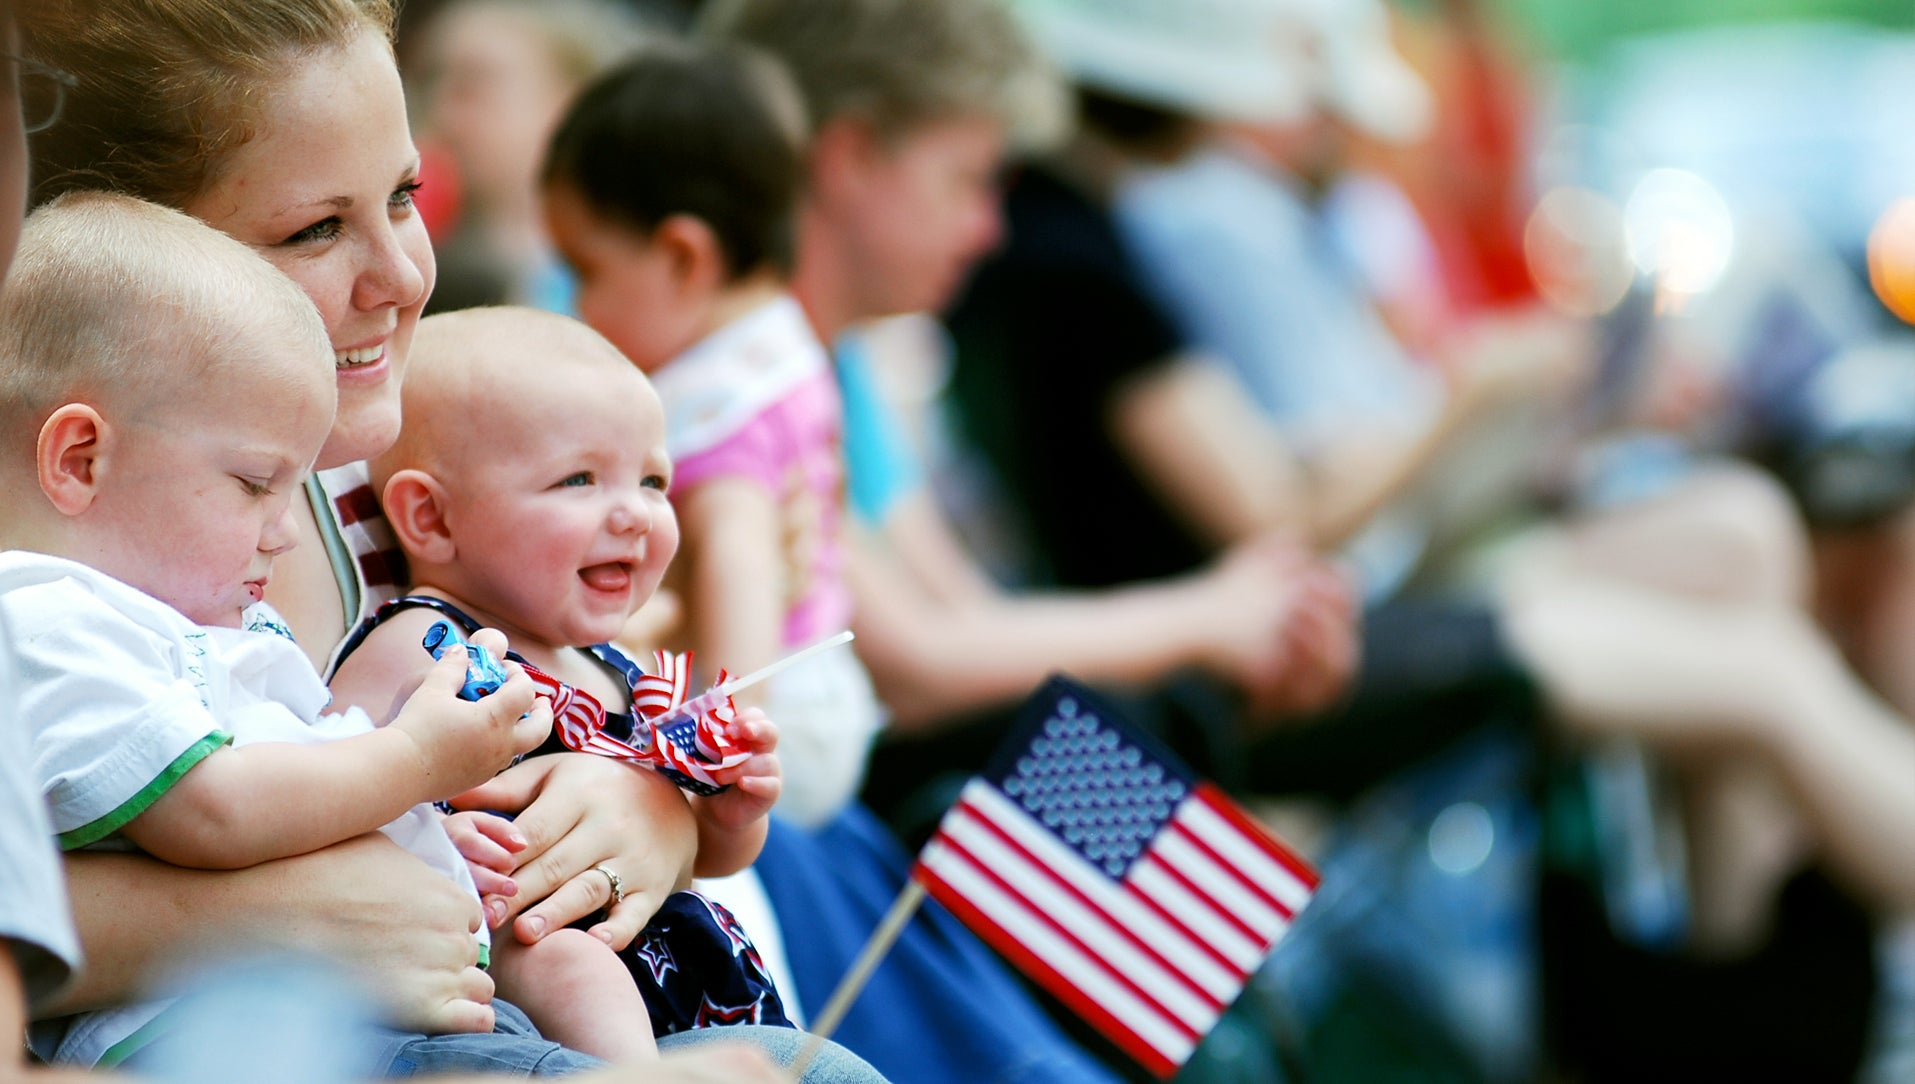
[
  {"x": 935, "y": 653},
  {"x": 1192, "y": 433},
  {"x": 1850, "y": 763},
  {"x": 733, "y": 575}
]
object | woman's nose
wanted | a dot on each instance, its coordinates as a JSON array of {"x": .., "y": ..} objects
[{"x": 390, "y": 274}]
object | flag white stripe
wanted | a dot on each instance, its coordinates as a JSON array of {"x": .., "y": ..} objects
[
  {"x": 1087, "y": 975},
  {"x": 1212, "y": 880},
  {"x": 1149, "y": 877},
  {"x": 1106, "y": 941},
  {"x": 1251, "y": 860},
  {"x": 1174, "y": 944}
]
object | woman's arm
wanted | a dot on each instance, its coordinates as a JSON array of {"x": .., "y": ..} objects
[{"x": 366, "y": 904}]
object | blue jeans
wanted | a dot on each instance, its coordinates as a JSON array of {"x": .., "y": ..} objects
[{"x": 296, "y": 1024}]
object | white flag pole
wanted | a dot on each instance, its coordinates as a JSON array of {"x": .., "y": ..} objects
[{"x": 795, "y": 657}]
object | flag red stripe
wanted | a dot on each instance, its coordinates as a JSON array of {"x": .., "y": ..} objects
[
  {"x": 1191, "y": 953},
  {"x": 1221, "y": 804},
  {"x": 1158, "y": 909},
  {"x": 1228, "y": 869},
  {"x": 1177, "y": 875},
  {"x": 1049, "y": 922},
  {"x": 1041, "y": 972},
  {"x": 1109, "y": 922}
]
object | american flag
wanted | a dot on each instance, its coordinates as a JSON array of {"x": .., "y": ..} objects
[
  {"x": 1136, "y": 893},
  {"x": 683, "y": 738}
]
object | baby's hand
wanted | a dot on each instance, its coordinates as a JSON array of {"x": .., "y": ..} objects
[
  {"x": 756, "y": 782},
  {"x": 463, "y": 743},
  {"x": 490, "y": 845}
]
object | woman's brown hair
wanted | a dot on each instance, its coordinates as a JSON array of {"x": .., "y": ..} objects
[{"x": 168, "y": 88}]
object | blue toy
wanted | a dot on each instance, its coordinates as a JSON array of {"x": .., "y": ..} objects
[{"x": 483, "y": 674}]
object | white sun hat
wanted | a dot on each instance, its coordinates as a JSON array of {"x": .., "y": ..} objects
[
  {"x": 1262, "y": 61},
  {"x": 1361, "y": 76},
  {"x": 1220, "y": 59}
]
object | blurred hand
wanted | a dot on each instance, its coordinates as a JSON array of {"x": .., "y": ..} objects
[
  {"x": 1321, "y": 645},
  {"x": 1504, "y": 358},
  {"x": 1286, "y": 628}
]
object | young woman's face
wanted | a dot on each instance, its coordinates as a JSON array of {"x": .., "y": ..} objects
[{"x": 324, "y": 190}]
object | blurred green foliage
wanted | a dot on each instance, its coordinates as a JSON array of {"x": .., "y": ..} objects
[{"x": 1580, "y": 29}]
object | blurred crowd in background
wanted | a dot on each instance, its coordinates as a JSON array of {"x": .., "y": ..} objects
[{"x": 1584, "y": 327}]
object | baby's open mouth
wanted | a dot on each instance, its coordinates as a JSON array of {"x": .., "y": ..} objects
[{"x": 611, "y": 576}]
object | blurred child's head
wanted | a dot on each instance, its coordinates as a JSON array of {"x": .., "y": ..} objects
[
  {"x": 163, "y": 393},
  {"x": 670, "y": 183},
  {"x": 495, "y": 76},
  {"x": 913, "y": 102},
  {"x": 529, "y": 480}
]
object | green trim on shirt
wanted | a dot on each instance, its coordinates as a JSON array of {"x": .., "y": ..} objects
[
  {"x": 131, "y": 1045},
  {"x": 102, "y": 827},
  {"x": 485, "y": 955},
  {"x": 345, "y": 570}
]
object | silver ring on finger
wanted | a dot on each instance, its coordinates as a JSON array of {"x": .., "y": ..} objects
[{"x": 618, "y": 885}]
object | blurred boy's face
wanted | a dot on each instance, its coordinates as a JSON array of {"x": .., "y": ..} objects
[
  {"x": 921, "y": 211},
  {"x": 195, "y": 499},
  {"x": 559, "y": 519}
]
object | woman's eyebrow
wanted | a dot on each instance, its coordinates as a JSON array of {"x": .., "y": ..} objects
[{"x": 337, "y": 203}]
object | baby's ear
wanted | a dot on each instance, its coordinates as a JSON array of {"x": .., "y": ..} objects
[
  {"x": 71, "y": 457},
  {"x": 694, "y": 254},
  {"x": 415, "y": 504}
]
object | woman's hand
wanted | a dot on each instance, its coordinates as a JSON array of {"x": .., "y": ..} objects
[
  {"x": 365, "y": 904},
  {"x": 577, "y": 811}
]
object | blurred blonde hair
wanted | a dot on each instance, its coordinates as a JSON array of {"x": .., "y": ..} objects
[
  {"x": 898, "y": 64},
  {"x": 168, "y": 88},
  {"x": 117, "y": 300},
  {"x": 582, "y": 37}
]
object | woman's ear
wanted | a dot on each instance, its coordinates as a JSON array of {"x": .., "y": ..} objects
[
  {"x": 71, "y": 457},
  {"x": 415, "y": 505}
]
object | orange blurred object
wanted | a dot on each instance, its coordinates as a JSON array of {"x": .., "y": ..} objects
[{"x": 1891, "y": 258}]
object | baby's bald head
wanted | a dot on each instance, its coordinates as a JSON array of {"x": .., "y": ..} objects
[{"x": 472, "y": 370}]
